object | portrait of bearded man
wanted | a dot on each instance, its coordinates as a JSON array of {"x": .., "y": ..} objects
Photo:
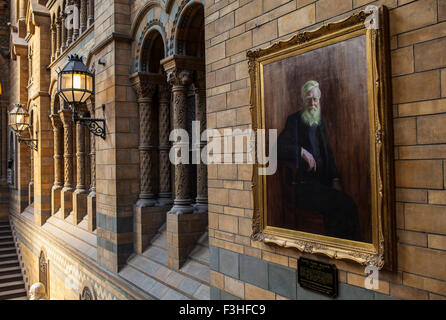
[{"x": 305, "y": 147}]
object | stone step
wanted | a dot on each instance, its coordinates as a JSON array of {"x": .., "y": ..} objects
[
  {"x": 12, "y": 294},
  {"x": 20, "y": 298},
  {"x": 9, "y": 263},
  {"x": 8, "y": 286},
  {"x": 7, "y": 256},
  {"x": 5, "y": 232},
  {"x": 200, "y": 254},
  {"x": 7, "y": 244},
  {"x": 7, "y": 250},
  {"x": 9, "y": 270},
  {"x": 5, "y": 238},
  {"x": 17, "y": 276}
]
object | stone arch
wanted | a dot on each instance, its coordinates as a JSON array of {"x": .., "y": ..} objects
[
  {"x": 54, "y": 98},
  {"x": 152, "y": 49},
  {"x": 148, "y": 20},
  {"x": 142, "y": 12},
  {"x": 43, "y": 270},
  {"x": 183, "y": 19},
  {"x": 87, "y": 291}
]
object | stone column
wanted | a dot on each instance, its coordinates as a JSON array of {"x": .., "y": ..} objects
[
  {"x": 80, "y": 194},
  {"x": 76, "y": 3},
  {"x": 58, "y": 36},
  {"x": 165, "y": 191},
  {"x": 144, "y": 224},
  {"x": 184, "y": 226},
  {"x": 91, "y": 199},
  {"x": 201, "y": 202},
  {"x": 70, "y": 30},
  {"x": 58, "y": 163},
  {"x": 64, "y": 33},
  {"x": 83, "y": 14},
  {"x": 90, "y": 13},
  {"x": 145, "y": 92},
  {"x": 180, "y": 81},
  {"x": 31, "y": 181},
  {"x": 67, "y": 191},
  {"x": 53, "y": 41}
]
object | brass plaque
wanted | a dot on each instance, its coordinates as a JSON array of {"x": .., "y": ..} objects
[{"x": 318, "y": 276}]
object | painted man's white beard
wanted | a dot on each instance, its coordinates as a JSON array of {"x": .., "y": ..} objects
[{"x": 312, "y": 116}]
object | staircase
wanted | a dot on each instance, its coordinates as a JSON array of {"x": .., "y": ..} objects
[
  {"x": 150, "y": 272},
  {"x": 12, "y": 286}
]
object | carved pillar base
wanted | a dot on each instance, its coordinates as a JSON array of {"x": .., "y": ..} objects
[
  {"x": 181, "y": 207},
  {"x": 91, "y": 211},
  {"x": 183, "y": 232},
  {"x": 79, "y": 205},
  {"x": 66, "y": 199},
  {"x": 55, "y": 199},
  {"x": 147, "y": 221},
  {"x": 201, "y": 206}
]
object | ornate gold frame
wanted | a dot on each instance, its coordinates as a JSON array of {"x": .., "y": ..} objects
[{"x": 380, "y": 252}]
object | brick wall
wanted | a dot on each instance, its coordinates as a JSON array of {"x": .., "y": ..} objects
[{"x": 418, "y": 44}]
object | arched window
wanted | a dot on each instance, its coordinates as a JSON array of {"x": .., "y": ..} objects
[
  {"x": 87, "y": 294},
  {"x": 43, "y": 271}
]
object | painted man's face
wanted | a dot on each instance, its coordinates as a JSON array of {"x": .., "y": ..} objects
[{"x": 312, "y": 100}]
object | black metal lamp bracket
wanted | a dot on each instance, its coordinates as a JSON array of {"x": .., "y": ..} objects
[
  {"x": 95, "y": 125},
  {"x": 31, "y": 143}
]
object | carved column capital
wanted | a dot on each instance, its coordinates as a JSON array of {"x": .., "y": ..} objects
[
  {"x": 145, "y": 89},
  {"x": 180, "y": 77},
  {"x": 56, "y": 122},
  {"x": 66, "y": 117}
]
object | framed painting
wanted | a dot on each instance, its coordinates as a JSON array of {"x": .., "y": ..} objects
[{"x": 327, "y": 94}]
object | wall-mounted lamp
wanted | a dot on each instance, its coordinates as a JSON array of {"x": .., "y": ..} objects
[
  {"x": 75, "y": 84},
  {"x": 18, "y": 120}
]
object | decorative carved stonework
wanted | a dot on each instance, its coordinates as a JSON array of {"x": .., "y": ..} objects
[
  {"x": 200, "y": 115},
  {"x": 145, "y": 89},
  {"x": 80, "y": 157},
  {"x": 180, "y": 80},
  {"x": 69, "y": 31},
  {"x": 58, "y": 36},
  {"x": 58, "y": 150},
  {"x": 83, "y": 13},
  {"x": 53, "y": 42},
  {"x": 86, "y": 294},
  {"x": 66, "y": 118},
  {"x": 164, "y": 126},
  {"x": 76, "y": 30}
]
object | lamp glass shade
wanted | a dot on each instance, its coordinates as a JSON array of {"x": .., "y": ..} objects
[
  {"x": 75, "y": 81},
  {"x": 18, "y": 119}
]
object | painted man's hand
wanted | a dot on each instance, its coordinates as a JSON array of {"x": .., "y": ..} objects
[{"x": 308, "y": 157}]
